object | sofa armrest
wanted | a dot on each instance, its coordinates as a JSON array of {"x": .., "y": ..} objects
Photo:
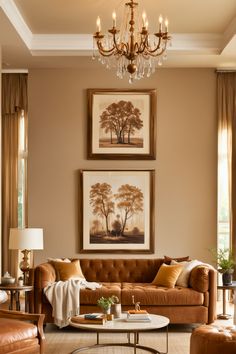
[
  {"x": 203, "y": 278},
  {"x": 43, "y": 275},
  {"x": 199, "y": 278},
  {"x": 37, "y": 319}
]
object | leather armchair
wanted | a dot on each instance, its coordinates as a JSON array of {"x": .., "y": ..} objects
[{"x": 21, "y": 333}]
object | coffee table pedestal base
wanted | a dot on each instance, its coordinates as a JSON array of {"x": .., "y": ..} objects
[
  {"x": 134, "y": 345},
  {"x": 130, "y": 345}
]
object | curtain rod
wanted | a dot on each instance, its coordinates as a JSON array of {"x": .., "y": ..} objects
[
  {"x": 14, "y": 71},
  {"x": 225, "y": 70}
]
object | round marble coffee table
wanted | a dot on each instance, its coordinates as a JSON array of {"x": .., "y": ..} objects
[{"x": 120, "y": 325}]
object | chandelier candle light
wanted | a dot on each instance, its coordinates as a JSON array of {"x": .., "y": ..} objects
[{"x": 130, "y": 49}]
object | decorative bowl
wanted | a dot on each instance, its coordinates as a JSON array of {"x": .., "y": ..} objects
[{"x": 7, "y": 280}]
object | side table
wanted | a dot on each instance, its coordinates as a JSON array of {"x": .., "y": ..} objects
[
  {"x": 14, "y": 290},
  {"x": 224, "y": 315}
]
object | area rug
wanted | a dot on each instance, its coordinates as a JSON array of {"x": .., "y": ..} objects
[{"x": 64, "y": 341}]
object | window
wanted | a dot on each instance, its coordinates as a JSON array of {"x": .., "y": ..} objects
[
  {"x": 223, "y": 229},
  {"x": 22, "y": 172}
]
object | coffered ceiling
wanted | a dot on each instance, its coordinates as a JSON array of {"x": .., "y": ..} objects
[{"x": 58, "y": 33}]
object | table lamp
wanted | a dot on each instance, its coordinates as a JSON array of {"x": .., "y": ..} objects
[{"x": 26, "y": 240}]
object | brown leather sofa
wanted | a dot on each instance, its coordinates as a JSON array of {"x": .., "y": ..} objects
[
  {"x": 127, "y": 277},
  {"x": 21, "y": 333}
]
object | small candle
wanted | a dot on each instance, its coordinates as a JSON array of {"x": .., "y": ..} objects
[
  {"x": 114, "y": 18},
  {"x": 160, "y": 22},
  {"x": 166, "y": 25},
  {"x": 98, "y": 24},
  {"x": 144, "y": 18}
]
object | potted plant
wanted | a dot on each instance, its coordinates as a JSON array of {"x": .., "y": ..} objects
[
  {"x": 116, "y": 306},
  {"x": 225, "y": 264},
  {"x": 105, "y": 303}
]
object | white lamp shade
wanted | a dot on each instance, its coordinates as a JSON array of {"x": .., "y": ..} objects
[{"x": 26, "y": 239}]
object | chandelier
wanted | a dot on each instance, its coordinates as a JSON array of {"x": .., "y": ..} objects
[{"x": 132, "y": 49}]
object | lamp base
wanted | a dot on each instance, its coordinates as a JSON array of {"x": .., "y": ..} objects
[{"x": 24, "y": 265}]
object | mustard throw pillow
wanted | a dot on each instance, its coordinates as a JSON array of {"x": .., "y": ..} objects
[
  {"x": 66, "y": 271},
  {"x": 167, "y": 275}
]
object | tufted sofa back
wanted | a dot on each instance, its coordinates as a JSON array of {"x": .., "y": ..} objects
[{"x": 120, "y": 270}]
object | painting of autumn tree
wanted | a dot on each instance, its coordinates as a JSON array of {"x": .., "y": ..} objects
[
  {"x": 120, "y": 122},
  {"x": 117, "y": 215}
]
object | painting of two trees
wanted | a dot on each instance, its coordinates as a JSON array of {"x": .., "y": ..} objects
[
  {"x": 128, "y": 201},
  {"x": 121, "y": 124},
  {"x": 116, "y": 209}
]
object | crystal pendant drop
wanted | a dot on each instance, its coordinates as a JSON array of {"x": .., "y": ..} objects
[{"x": 131, "y": 79}]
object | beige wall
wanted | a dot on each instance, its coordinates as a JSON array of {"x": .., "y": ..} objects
[{"x": 185, "y": 196}]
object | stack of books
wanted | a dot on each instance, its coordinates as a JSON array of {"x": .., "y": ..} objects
[
  {"x": 138, "y": 316},
  {"x": 90, "y": 318}
]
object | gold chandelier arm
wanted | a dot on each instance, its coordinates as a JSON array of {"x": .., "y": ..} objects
[
  {"x": 103, "y": 51},
  {"x": 154, "y": 54},
  {"x": 122, "y": 49}
]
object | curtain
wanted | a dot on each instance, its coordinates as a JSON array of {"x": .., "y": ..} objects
[
  {"x": 14, "y": 100},
  {"x": 226, "y": 101}
]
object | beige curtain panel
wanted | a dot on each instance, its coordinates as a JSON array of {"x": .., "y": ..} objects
[
  {"x": 14, "y": 100},
  {"x": 226, "y": 101}
]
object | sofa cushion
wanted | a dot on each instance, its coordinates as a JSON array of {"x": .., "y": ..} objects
[
  {"x": 149, "y": 294},
  {"x": 16, "y": 334},
  {"x": 168, "y": 259},
  {"x": 90, "y": 297},
  {"x": 120, "y": 270},
  {"x": 67, "y": 271},
  {"x": 199, "y": 278},
  {"x": 183, "y": 278},
  {"x": 167, "y": 275}
]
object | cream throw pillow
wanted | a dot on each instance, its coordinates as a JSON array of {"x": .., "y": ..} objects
[
  {"x": 183, "y": 277},
  {"x": 167, "y": 275},
  {"x": 59, "y": 260},
  {"x": 66, "y": 271}
]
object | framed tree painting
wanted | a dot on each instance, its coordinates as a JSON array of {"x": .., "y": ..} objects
[
  {"x": 118, "y": 211},
  {"x": 121, "y": 124}
]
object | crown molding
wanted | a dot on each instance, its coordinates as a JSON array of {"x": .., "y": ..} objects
[
  {"x": 204, "y": 43},
  {"x": 62, "y": 42},
  {"x": 11, "y": 11},
  {"x": 229, "y": 33},
  {"x": 82, "y": 44}
]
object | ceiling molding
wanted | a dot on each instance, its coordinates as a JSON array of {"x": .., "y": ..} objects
[
  {"x": 62, "y": 42},
  {"x": 68, "y": 44},
  {"x": 196, "y": 43},
  {"x": 229, "y": 33},
  {"x": 82, "y": 44},
  {"x": 14, "y": 15}
]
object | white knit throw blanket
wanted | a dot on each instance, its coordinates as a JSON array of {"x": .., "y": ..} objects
[{"x": 64, "y": 296}]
